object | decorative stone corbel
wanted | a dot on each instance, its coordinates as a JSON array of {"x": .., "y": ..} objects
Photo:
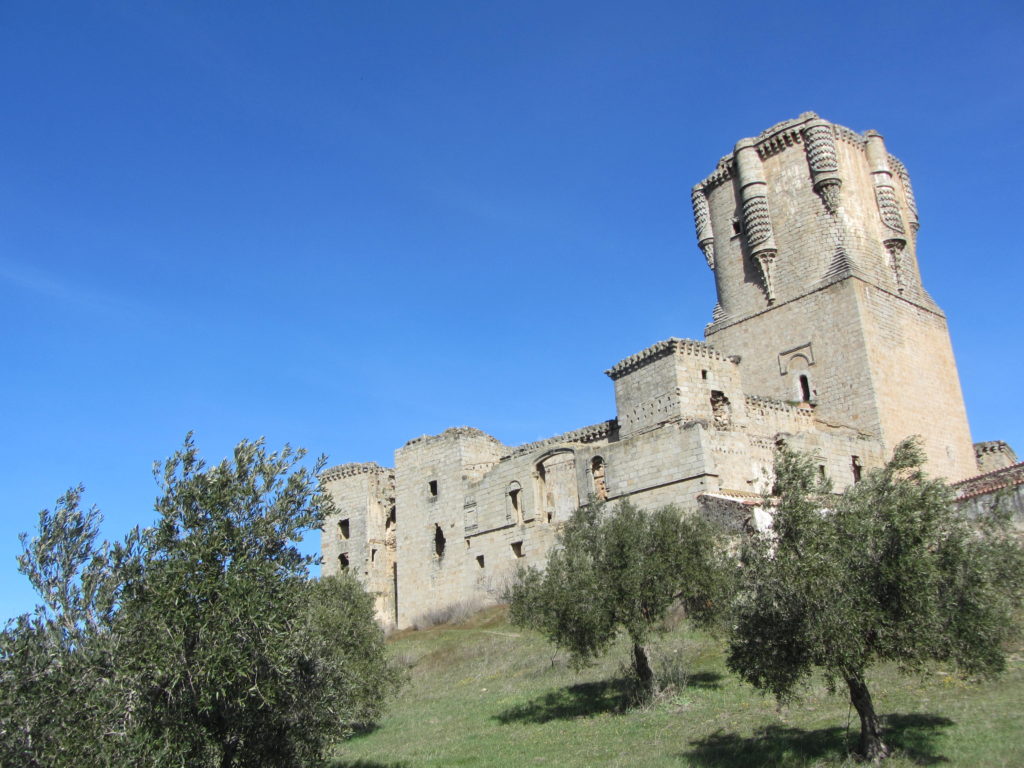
[
  {"x": 757, "y": 221},
  {"x": 822, "y": 157},
  {"x": 702, "y": 220},
  {"x": 908, "y": 193},
  {"x": 894, "y": 234}
]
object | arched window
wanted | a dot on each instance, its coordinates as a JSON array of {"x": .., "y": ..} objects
[
  {"x": 597, "y": 477},
  {"x": 515, "y": 500},
  {"x": 557, "y": 494}
]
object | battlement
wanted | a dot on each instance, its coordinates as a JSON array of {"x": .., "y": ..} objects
[
  {"x": 452, "y": 433},
  {"x": 353, "y": 469},
  {"x": 662, "y": 349},
  {"x": 592, "y": 434},
  {"x": 993, "y": 455}
]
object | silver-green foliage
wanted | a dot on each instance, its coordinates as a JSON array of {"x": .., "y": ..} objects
[
  {"x": 620, "y": 569},
  {"x": 200, "y": 641},
  {"x": 890, "y": 570}
]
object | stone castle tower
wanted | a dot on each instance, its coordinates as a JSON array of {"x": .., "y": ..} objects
[
  {"x": 823, "y": 338},
  {"x": 811, "y": 231}
]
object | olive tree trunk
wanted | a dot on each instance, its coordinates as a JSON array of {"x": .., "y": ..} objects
[
  {"x": 644, "y": 672},
  {"x": 871, "y": 746}
]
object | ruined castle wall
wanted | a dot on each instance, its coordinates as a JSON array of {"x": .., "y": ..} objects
[
  {"x": 430, "y": 502},
  {"x": 360, "y": 537}
]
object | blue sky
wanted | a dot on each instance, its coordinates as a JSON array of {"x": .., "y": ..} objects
[{"x": 344, "y": 225}]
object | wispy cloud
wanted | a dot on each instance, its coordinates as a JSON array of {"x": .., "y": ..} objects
[{"x": 33, "y": 280}]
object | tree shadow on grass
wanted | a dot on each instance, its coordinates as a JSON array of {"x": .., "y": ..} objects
[
  {"x": 582, "y": 700},
  {"x": 912, "y": 735},
  {"x": 365, "y": 764},
  {"x": 588, "y": 699},
  {"x": 705, "y": 680}
]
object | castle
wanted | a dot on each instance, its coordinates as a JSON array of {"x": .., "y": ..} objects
[{"x": 823, "y": 337}]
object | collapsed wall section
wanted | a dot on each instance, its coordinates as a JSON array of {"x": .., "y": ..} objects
[{"x": 360, "y": 537}]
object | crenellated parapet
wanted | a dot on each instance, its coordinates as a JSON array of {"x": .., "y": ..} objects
[
  {"x": 342, "y": 471},
  {"x": 585, "y": 435},
  {"x": 994, "y": 454},
  {"x": 662, "y": 349},
  {"x": 453, "y": 433}
]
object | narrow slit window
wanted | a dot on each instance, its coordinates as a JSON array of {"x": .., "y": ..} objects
[
  {"x": 432, "y": 487},
  {"x": 805, "y": 389},
  {"x": 343, "y": 525},
  {"x": 517, "y": 549},
  {"x": 343, "y": 560},
  {"x": 373, "y": 555},
  {"x": 858, "y": 470},
  {"x": 480, "y": 560},
  {"x": 439, "y": 541}
]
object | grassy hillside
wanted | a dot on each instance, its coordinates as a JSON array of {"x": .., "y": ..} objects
[{"x": 487, "y": 694}]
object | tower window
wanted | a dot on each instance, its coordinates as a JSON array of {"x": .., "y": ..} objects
[
  {"x": 517, "y": 549},
  {"x": 343, "y": 526},
  {"x": 432, "y": 487},
  {"x": 805, "y": 389},
  {"x": 597, "y": 473},
  {"x": 343, "y": 560},
  {"x": 515, "y": 498},
  {"x": 856, "y": 467},
  {"x": 480, "y": 561},
  {"x": 438, "y": 541}
]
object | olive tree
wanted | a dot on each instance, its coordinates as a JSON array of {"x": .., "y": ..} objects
[
  {"x": 620, "y": 569},
  {"x": 890, "y": 570},
  {"x": 200, "y": 641}
]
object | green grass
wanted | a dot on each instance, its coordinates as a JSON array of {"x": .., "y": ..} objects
[{"x": 487, "y": 694}]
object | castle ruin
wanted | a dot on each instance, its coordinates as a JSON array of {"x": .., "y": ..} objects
[{"x": 823, "y": 337}]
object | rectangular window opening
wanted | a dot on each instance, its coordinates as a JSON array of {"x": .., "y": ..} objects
[
  {"x": 343, "y": 559},
  {"x": 517, "y": 549},
  {"x": 432, "y": 486},
  {"x": 344, "y": 527},
  {"x": 373, "y": 555},
  {"x": 480, "y": 560}
]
